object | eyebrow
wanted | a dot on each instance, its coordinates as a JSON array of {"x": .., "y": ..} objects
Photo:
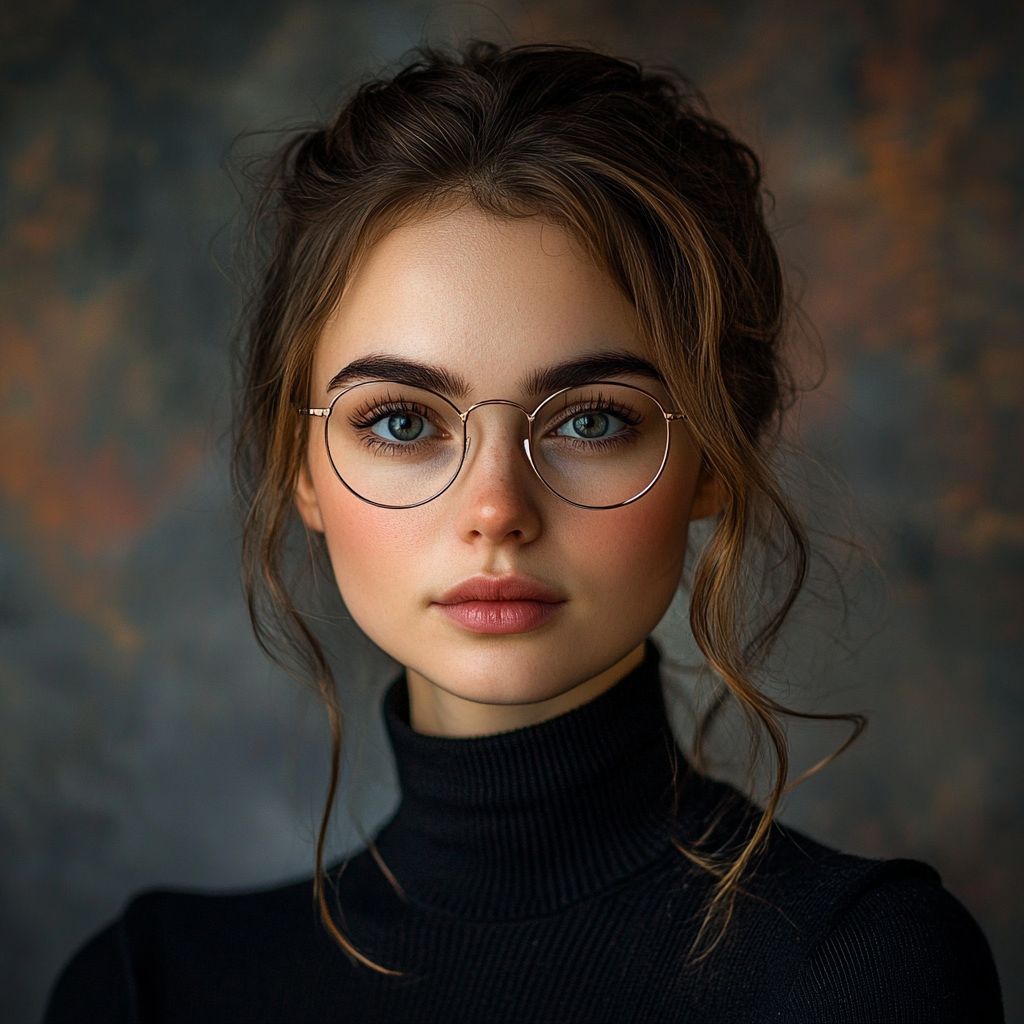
[
  {"x": 573, "y": 373},
  {"x": 586, "y": 370},
  {"x": 403, "y": 371}
]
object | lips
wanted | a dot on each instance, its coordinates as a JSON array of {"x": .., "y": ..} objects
[
  {"x": 501, "y": 589},
  {"x": 500, "y": 604}
]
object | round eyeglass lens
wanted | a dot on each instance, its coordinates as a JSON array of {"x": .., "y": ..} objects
[
  {"x": 600, "y": 445},
  {"x": 394, "y": 445}
]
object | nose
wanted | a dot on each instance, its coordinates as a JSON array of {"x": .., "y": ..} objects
[{"x": 497, "y": 490}]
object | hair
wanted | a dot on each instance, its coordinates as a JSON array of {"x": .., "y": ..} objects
[{"x": 661, "y": 196}]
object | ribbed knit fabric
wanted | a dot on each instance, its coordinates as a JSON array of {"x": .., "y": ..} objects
[
  {"x": 534, "y": 820},
  {"x": 538, "y": 881}
]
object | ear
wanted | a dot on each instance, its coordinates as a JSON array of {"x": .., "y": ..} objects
[
  {"x": 306, "y": 500},
  {"x": 709, "y": 497}
]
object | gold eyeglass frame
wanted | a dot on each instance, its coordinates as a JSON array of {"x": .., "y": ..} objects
[{"x": 670, "y": 417}]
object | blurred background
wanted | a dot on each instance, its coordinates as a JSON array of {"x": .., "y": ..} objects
[{"x": 145, "y": 741}]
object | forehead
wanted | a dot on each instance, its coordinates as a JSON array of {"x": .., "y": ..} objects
[{"x": 491, "y": 299}]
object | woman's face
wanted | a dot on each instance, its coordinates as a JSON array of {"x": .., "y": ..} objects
[{"x": 492, "y": 304}]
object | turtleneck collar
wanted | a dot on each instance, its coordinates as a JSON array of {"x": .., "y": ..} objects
[{"x": 523, "y": 823}]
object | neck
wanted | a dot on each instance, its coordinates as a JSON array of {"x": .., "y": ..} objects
[
  {"x": 435, "y": 711},
  {"x": 523, "y": 823}
]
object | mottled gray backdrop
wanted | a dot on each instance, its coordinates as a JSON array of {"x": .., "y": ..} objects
[{"x": 143, "y": 738}]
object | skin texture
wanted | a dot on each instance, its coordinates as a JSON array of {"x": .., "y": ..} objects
[{"x": 493, "y": 300}]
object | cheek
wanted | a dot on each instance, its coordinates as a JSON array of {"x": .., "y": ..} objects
[
  {"x": 651, "y": 533},
  {"x": 371, "y": 550},
  {"x": 630, "y": 560},
  {"x": 374, "y": 551},
  {"x": 640, "y": 547}
]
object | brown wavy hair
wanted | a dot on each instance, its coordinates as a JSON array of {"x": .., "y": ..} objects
[{"x": 660, "y": 195}]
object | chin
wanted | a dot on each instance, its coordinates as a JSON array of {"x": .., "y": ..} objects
[{"x": 505, "y": 670}]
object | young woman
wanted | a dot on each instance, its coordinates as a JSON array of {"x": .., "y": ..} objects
[{"x": 518, "y": 326}]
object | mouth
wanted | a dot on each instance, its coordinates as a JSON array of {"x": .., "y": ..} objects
[{"x": 500, "y": 604}]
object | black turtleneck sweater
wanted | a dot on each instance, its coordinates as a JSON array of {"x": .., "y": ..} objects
[{"x": 539, "y": 882}]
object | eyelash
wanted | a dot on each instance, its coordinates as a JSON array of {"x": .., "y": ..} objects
[
  {"x": 363, "y": 419},
  {"x": 599, "y": 404}
]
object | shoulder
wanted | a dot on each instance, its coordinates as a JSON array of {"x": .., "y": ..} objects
[
  {"x": 835, "y": 937},
  {"x": 95, "y": 985},
  {"x": 172, "y": 947},
  {"x": 902, "y": 948}
]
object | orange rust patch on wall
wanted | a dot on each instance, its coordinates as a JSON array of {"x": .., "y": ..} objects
[{"x": 77, "y": 498}]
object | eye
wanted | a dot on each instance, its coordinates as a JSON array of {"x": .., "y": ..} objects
[
  {"x": 591, "y": 426},
  {"x": 403, "y": 427}
]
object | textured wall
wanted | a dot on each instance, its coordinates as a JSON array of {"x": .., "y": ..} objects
[{"x": 143, "y": 739}]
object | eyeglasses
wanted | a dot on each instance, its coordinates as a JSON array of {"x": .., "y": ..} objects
[{"x": 600, "y": 446}]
